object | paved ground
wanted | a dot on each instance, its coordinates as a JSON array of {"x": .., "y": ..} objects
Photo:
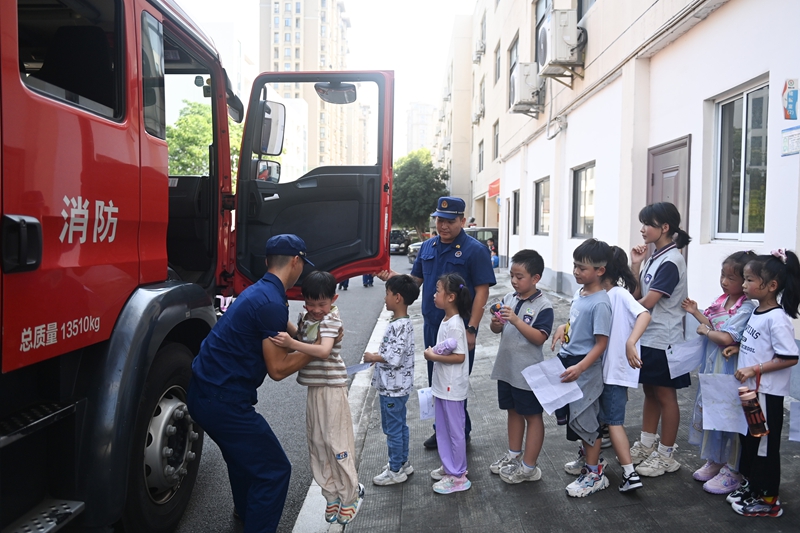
[{"x": 673, "y": 502}]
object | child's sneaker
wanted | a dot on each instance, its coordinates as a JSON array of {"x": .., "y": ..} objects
[
  {"x": 742, "y": 493},
  {"x": 387, "y": 477},
  {"x": 438, "y": 473},
  {"x": 407, "y": 469},
  {"x": 349, "y": 511},
  {"x": 640, "y": 452},
  {"x": 758, "y": 507},
  {"x": 657, "y": 465},
  {"x": 449, "y": 484},
  {"x": 515, "y": 473},
  {"x": 332, "y": 511},
  {"x": 587, "y": 483},
  {"x": 630, "y": 482},
  {"x": 575, "y": 467},
  {"x": 707, "y": 471},
  {"x": 506, "y": 460},
  {"x": 725, "y": 482}
]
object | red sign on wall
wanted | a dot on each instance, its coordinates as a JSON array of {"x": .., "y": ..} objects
[{"x": 494, "y": 188}]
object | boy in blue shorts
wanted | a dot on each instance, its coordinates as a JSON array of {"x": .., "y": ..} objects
[
  {"x": 526, "y": 320},
  {"x": 583, "y": 340}
]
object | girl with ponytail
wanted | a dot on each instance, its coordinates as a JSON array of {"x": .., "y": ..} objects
[
  {"x": 662, "y": 289},
  {"x": 766, "y": 354}
]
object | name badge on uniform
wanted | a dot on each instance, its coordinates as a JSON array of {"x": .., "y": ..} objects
[
  {"x": 648, "y": 278},
  {"x": 458, "y": 253},
  {"x": 528, "y": 319}
]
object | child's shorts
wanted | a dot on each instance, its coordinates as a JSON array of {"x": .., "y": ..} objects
[
  {"x": 612, "y": 405},
  {"x": 524, "y": 402},
  {"x": 655, "y": 370}
]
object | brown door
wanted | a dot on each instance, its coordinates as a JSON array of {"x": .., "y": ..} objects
[{"x": 668, "y": 169}]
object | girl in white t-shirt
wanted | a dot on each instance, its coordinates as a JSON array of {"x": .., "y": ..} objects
[
  {"x": 723, "y": 323},
  {"x": 766, "y": 354},
  {"x": 449, "y": 384},
  {"x": 621, "y": 361}
]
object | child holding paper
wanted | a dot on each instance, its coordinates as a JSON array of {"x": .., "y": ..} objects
[
  {"x": 621, "y": 360},
  {"x": 723, "y": 322},
  {"x": 394, "y": 377},
  {"x": 527, "y": 319},
  {"x": 583, "y": 340}
]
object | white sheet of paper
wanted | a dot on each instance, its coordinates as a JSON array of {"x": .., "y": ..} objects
[
  {"x": 545, "y": 382},
  {"x": 426, "y": 410},
  {"x": 355, "y": 369},
  {"x": 794, "y": 421},
  {"x": 722, "y": 409},
  {"x": 685, "y": 357}
]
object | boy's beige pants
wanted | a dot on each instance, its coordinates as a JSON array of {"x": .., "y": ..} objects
[{"x": 329, "y": 428}]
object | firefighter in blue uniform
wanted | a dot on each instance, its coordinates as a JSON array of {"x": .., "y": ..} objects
[
  {"x": 452, "y": 250},
  {"x": 233, "y": 361}
]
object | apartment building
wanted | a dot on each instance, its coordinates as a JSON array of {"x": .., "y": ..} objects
[
  {"x": 421, "y": 120},
  {"x": 307, "y": 36},
  {"x": 688, "y": 101}
]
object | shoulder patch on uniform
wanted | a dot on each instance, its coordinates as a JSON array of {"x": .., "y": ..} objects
[{"x": 340, "y": 456}]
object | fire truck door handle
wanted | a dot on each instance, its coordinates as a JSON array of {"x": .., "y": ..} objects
[
  {"x": 270, "y": 198},
  {"x": 22, "y": 243}
]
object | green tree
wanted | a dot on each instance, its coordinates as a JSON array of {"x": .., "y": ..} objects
[
  {"x": 417, "y": 186},
  {"x": 188, "y": 140}
]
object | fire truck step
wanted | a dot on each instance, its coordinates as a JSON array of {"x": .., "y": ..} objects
[
  {"x": 23, "y": 423},
  {"x": 50, "y": 515}
]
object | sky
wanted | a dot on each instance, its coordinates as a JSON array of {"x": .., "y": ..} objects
[{"x": 411, "y": 37}]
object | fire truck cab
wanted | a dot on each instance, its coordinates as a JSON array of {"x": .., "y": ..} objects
[{"x": 121, "y": 224}]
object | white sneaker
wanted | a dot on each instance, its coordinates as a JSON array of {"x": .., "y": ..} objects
[
  {"x": 587, "y": 483},
  {"x": 387, "y": 477},
  {"x": 515, "y": 473},
  {"x": 657, "y": 465},
  {"x": 438, "y": 474},
  {"x": 407, "y": 469},
  {"x": 575, "y": 467},
  {"x": 640, "y": 452},
  {"x": 506, "y": 460}
]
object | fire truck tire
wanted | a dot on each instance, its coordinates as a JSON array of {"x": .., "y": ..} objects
[{"x": 166, "y": 448}]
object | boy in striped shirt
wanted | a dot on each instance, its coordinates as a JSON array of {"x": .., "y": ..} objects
[{"x": 329, "y": 427}]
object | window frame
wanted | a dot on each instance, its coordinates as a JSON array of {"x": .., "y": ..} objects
[
  {"x": 575, "y": 234},
  {"x": 740, "y": 235},
  {"x": 496, "y": 140},
  {"x": 513, "y": 61},
  {"x": 480, "y": 156},
  {"x": 515, "y": 210},
  {"x": 497, "y": 63},
  {"x": 537, "y": 206}
]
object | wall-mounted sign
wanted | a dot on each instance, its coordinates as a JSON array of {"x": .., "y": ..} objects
[
  {"x": 790, "y": 141},
  {"x": 790, "y": 100},
  {"x": 494, "y": 188}
]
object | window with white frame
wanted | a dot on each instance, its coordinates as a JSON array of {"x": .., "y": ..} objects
[
  {"x": 515, "y": 212},
  {"x": 513, "y": 56},
  {"x": 496, "y": 140},
  {"x": 497, "y": 63},
  {"x": 276, "y": 37},
  {"x": 742, "y": 165},
  {"x": 583, "y": 201},
  {"x": 276, "y": 7},
  {"x": 480, "y": 156},
  {"x": 287, "y": 52},
  {"x": 287, "y": 37},
  {"x": 583, "y": 7},
  {"x": 483, "y": 92},
  {"x": 541, "y": 201}
]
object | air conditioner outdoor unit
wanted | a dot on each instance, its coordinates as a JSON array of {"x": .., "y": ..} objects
[
  {"x": 478, "y": 114},
  {"x": 557, "y": 45},
  {"x": 446, "y": 94},
  {"x": 528, "y": 89},
  {"x": 480, "y": 49}
]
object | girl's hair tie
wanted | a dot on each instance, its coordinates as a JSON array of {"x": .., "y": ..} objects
[
  {"x": 780, "y": 253},
  {"x": 461, "y": 285}
]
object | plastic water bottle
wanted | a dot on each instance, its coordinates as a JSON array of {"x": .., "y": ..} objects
[
  {"x": 756, "y": 422},
  {"x": 445, "y": 347}
]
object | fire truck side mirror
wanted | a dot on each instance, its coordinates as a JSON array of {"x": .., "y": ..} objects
[
  {"x": 266, "y": 170},
  {"x": 273, "y": 123}
]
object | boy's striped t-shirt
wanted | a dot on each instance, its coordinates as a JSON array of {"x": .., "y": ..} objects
[{"x": 330, "y": 372}]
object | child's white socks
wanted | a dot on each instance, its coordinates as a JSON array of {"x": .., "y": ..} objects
[
  {"x": 666, "y": 451},
  {"x": 648, "y": 439}
]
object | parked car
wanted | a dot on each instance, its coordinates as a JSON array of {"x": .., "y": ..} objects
[
  {"x": 413, "y": 250},
  {"x": 483, "y": 234},
  {"x": 399, "y": 241}
]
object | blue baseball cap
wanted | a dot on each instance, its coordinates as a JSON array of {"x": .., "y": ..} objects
[
  {"x": 287, "y": 244},
  {"x": 449, "y": 207}
]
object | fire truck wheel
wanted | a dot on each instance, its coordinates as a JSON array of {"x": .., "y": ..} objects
[{"x": 166, "y": 449}]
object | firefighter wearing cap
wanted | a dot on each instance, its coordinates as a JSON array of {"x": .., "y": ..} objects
[
  {"x": 452, "y": 250},
  {"x": 233, "y": 361}
]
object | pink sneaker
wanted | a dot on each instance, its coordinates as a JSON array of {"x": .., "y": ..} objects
[
  {"x": 725, "y": 482},
  {"x": 707, "y": 471}
]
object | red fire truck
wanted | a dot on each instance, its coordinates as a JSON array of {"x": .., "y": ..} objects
[{"x": 113, "y": 252}]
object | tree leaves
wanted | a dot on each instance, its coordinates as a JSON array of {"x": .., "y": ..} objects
[{"x": 416, "y": 188}]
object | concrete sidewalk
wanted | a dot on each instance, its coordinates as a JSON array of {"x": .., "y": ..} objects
[{"x": 674, "y": 502}]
